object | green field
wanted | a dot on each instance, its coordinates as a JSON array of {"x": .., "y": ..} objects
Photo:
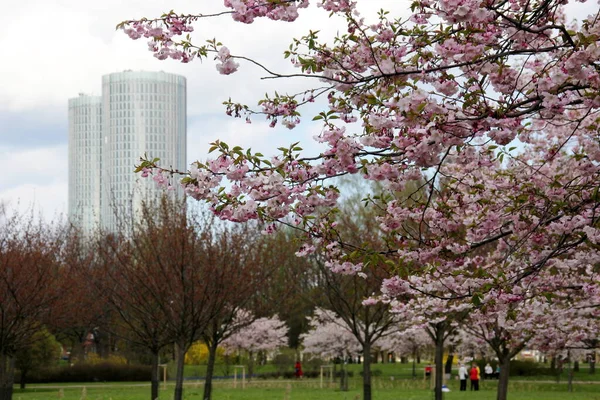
[
  {"x": 309, "y": 389},
  {"x": 392, "y": 381},
  {"x": 384, "y": 370}
]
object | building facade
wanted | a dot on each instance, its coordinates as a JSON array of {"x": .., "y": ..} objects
[
  {"x": 140, "y": 113},
  {"x": 85, "y": 160}
]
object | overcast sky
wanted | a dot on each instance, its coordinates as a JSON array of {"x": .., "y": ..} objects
[{"x": 55, "y": 49}]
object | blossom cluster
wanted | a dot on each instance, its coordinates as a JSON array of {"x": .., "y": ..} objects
[
  {"x": 161, "y": 33},
  {"x": 247, "y": 11}
]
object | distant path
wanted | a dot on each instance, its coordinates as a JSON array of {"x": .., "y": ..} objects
[
  {"x": 201, "y": 382},
  {"x": 565, "y": 381}
]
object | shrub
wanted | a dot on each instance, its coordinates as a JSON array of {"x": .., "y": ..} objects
[
  {"x": 314, "y": 363},
  {"x": 374, "y": 372},
  {"x": 527, "y": 368},
  {"x": 268, "y": 375},
  {"x": 339, "y": 374},
  {"x": 287, "y": 375},
  {"x": 198, "y": 354},
  {"x": 285, "y": 360},
  {"x": 114, "y": 359}
]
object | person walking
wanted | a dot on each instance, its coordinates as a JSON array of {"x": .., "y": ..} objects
[
  {"x": 462, "y": 375},
  {"x": 474, "y": 375},
  {"x": 298, "y": 370},
  {"x": 428, "y": 370}
]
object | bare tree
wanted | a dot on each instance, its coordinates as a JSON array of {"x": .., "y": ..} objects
[
  {"x": 166, "y": 279},
  {"x": 30, "y": 285}
]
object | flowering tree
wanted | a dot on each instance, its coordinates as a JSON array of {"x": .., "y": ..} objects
[
  {"x": 494, "y": 102},
  {"x": 329, "y": 337},
  {"x": 469, "y": 346},
  {"x": 529, "y": 319},
  {"x": 410, "y": 342},
  {"x": 264, "y": 334}
]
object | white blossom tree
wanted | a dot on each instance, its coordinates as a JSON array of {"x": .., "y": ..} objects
[{"x": 262, "y": 335}]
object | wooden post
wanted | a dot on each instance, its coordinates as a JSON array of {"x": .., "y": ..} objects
[
  {"x": 235, "y": 370},
  {"x": 330, "y": 367},
  {"x": 164, "y": 367}
]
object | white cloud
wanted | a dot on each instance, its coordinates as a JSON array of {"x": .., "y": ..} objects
[
  {"x": 258, "y": 136},
  {"x": 35, "y": 180},
  {"x": 46, "y": 200},
  {"x": 38, "y": 166}
]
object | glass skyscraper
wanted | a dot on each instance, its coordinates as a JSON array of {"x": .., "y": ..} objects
[{"x": 138, "y": 113}]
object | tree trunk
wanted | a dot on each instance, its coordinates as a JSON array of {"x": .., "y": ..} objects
[
  {"x": 576, "y": 366},
  {"x": 344, "y": 377},
  {"x": 7, "y": 376},
  {"x": 250, "y": 365},
  {"x": 81, "y": 352},
  {"x": 154, "y": 377},
  {"x": 558, "y": 369},
  {"x": 439, "y": 363},
  {"x": 334, "y": 369},
  {"x": 367, "y": 371},
  {"x": 503, "y": 378},
  {"x": 448, "y": 366},
  {"x": 570, "y": 384},
  {"x": 23, "y": 381},
  {"x": 180, "y": 353},
  {"x": 210, "y": 369}
]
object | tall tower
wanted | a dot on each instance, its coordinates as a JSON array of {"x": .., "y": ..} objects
[
  {"x": 85, "y": 160},
  {"x": 141, "y": 113}
]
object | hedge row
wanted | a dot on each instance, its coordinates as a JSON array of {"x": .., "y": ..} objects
[
  {"x": 522, "y": 368},
  {"x": 292, "y": 375},
  {"x": 102, "y": 372},
  {"x": 529, "y": 368}
]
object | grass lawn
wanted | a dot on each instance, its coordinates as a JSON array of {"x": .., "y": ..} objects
[{"x": 383, "y": 389}]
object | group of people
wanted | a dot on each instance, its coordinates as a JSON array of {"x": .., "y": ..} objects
[{"x": 474, "y": 375}]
